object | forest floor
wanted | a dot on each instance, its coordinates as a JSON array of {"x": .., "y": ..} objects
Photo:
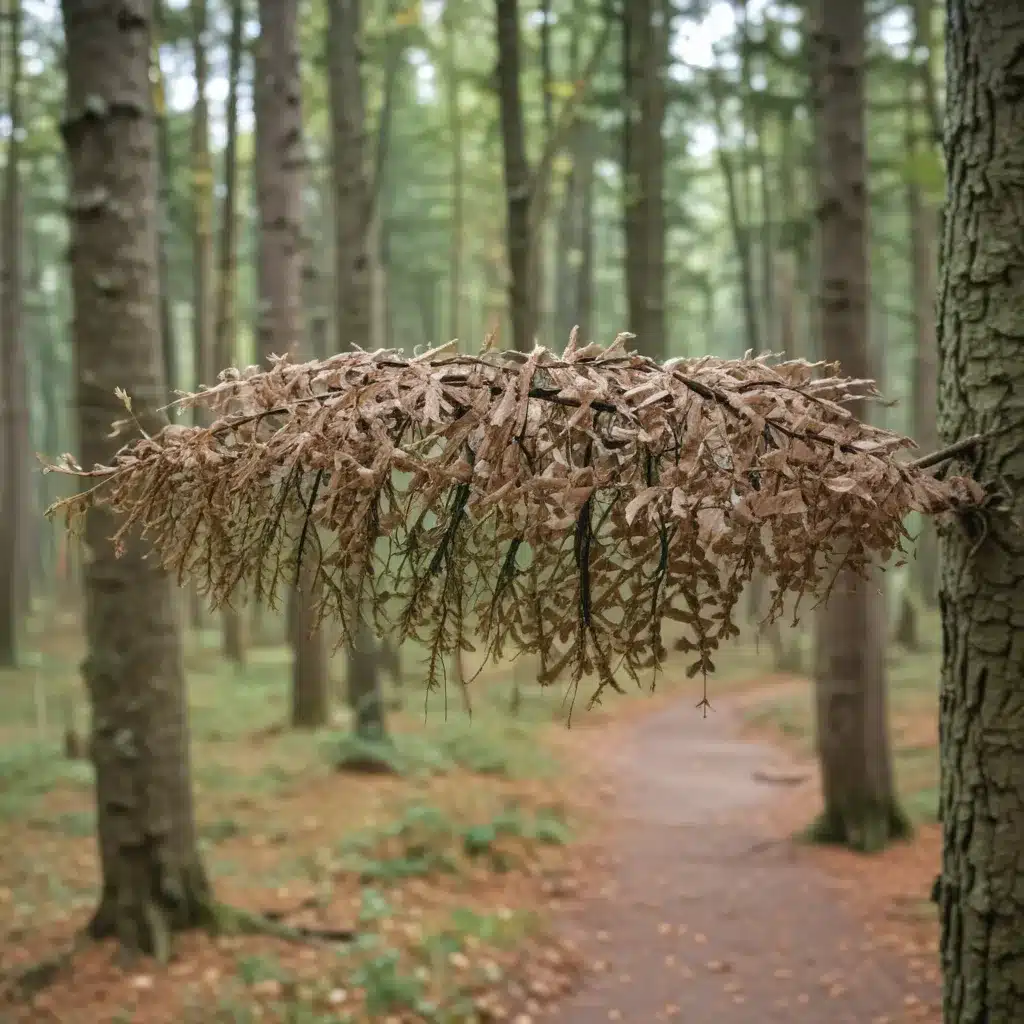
[{"x": 636, "y": 867}]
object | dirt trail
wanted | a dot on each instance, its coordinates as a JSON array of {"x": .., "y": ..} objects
[{"x": 712, "y": 916}]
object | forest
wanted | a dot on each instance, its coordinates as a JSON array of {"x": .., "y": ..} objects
[{"x": 512, "y": 511}]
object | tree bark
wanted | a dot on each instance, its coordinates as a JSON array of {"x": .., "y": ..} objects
[
  {"x": 860, "y": 806},
  {"x": 16, "y": 483},
  {"x": 924, "y": 259},
  {"x": 457, "y": 228},
  {"x": 522, "y": 307},
  {"x": 353, "y": 212},
  {"x": 574, "y": 256},
  {"x": 645, "y": 28},
  {"x": 225, "y": 321},
  {"x": 279, "y": 166},
  {"x": 169, "y": 345},
  {"x": 981, "y": 596},
  {"x": 153, "y": 880}
]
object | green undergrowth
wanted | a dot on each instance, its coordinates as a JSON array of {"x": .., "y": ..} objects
[
  {"x": 439, "y": 978},
  {"x": 424, "y": 840},
  {"x": 485, "y": 746}
]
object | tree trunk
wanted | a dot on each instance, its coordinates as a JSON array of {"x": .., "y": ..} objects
[
  {"x": 853, "y": 738},
  {"x": 458, "y": 168},
  {"x": 645, "y": 49},
  {"x": 153, "y": 880},
  {"x": 225, "y": 320},
  {"x": 279, "y": 163},
  {"x": 16, "y": 485},
  {"x": 924, "y": 259},
  {"x": 740, "y": 230},
  {"x": 522, "y": 307},
  {"x": 169, "y": 346},
  {"x": 584, "y": 293},
  {"x": 353, "y": 213},
  {"x": 202, "y": 240},
  {"x": 981, "y": 369},
  {"x": 574, "y": 255}
]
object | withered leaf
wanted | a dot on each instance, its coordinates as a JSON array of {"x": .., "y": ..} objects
[{"x": 567, "y": 506}]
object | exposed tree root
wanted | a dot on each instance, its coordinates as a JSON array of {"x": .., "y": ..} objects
[{"x": 867, "y": 832}]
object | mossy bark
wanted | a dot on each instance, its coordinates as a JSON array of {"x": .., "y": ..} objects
[{"x": 981, "y": 591}]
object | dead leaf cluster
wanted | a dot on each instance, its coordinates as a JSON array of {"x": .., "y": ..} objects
[{"x": 563, "y": 505}]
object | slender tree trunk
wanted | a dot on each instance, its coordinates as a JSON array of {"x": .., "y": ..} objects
[
  {"x": 740, "y": 231},
  {"x": 767, "y": 247},
  {"x": 15, "y": 535},
  {"x": 202, "y": 237},
  {"x": 924, "y": 267},
  {"x": 644, "y": 56},
  {"x": 575, "y": 234},
  {"x": 169, "y": 345},
  {"x": 353, "y": 212},
  {"x": 225, "y": 319},
  {"x": 522, "y": 307},
  {"x": 153, "y": 880},
  {"x": 586, "y": 154},
  {"x": 850, "y": 683},
  {"x": 279, "y": 164},
  {"x": 458, "y": 167},
  {"x": 539, "y": 227},
  {"x": 981, "y": 369}
]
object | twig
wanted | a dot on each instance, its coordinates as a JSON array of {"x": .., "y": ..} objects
[{"x": 951, "y": 451}]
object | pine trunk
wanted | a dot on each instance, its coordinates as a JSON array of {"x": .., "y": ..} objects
[
  {"x": 353, "y": 215},
  {"x": 279, "y": 163},
  {"x": 860, "y": 807},
  {"x": 225, "y": 326},
  {"x": 153, "y": 880},
  {"x": 521, "y": 302},
  {"x": 645, "y": 27},
  {"x": 16, "y": 481},
  {"x": 981, "y": 369}
]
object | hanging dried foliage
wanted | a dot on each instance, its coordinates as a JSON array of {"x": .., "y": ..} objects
[{"x": 561, "y": 505}]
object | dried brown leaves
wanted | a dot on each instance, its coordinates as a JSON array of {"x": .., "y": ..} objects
[{"x": 565, "y": 506}]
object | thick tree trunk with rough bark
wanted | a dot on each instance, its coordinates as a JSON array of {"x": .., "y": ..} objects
[
  {"x": 353, "y": 214},
  {"x": 981, "y": 373},
  {"x": 279, "y": 166},
  {"x": 860, "y": 809},
  {"x": 153, "y": 880}
]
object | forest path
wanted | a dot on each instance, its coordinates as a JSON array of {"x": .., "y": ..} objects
[{"x": 712, "y": 915}]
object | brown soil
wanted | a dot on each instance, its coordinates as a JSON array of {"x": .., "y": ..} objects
[{"x": 711, "y": 913}]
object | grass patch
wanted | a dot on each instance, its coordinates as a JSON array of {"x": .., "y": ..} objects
[
  {"x": 425, "y": 840},
  {"x": 486, "y": 746}
]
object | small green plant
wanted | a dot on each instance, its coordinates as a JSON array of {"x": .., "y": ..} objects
[
  {"x": 425, "y": 840},
  {"x": 388, "y": 988},
  {"x": 252, "y": 969}
]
